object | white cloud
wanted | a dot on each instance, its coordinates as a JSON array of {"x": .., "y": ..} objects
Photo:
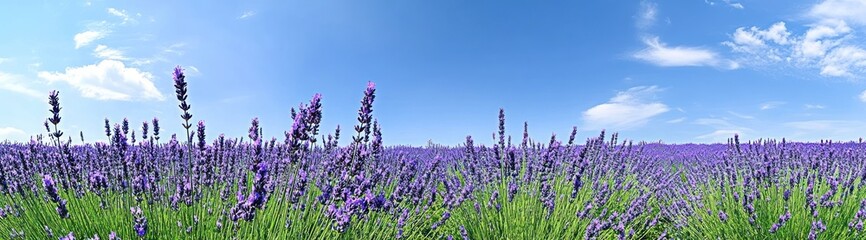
[
  {"x": 16, "y": 83},
  {"x": 853, "y": 11},
  {"x": 163, "y": 55},
  {"x": 814, "y": 106},
  {"x": 11, "y": 133},
  {"x": 827, "y": 129},
  {"x": 743, "y": 116},
  {"x": 192, "y": 71},
  {"x": 719, "y": 136},
  {"x": 104, "y": 52},
  {"x": 828, "y": 45},
  {"x": 108, "y": 80},
  {"x": 842, "y": 60},
  {"x": 771, "y": 105},
  {"x": 717, "y": 123},
  {"x": 659, "y": 54},
  {"x": 728, "y": 3},
  {"x": 121, "y": 13},
  {"x": 678, "y": 120},
  {"x": 754, "y": 38},
  {"x": 146, "y": 61},
  {"x": 647, "y": 14},
  {"x": 247, "y": 14},
  {"x": 722, "y": 130},
  {"x": 863, "y": 96},
  {"x": 628, "y": 109},
  {"x": 176, "y": 48},
  {"x": 821, "y": 37},
  {"x": 749, "y": 38},
  {"x": 84, "y": 38},
  {"x": 4, "y": 60},
  {"x": 761, "y": 47},
  {"x": 733, "y": 4}
]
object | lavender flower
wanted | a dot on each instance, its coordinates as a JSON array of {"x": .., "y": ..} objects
[
  {"x": 180, "y": 89},
  {"x": 156, "y": 129},
  {"x": 365, "y": 117},
  {"x": 144, "y": 128},
  {"x": 54, "y": 101},
  {"x": 107, "y": 128},
  {"x": 202, "y": 142},
  {"x": 51, "y": 191},
  {"x": 69, "y": 236},
  {"x": 125, "y": 126},
  {"x": 140, "y": 222},
  {"x": 501, "y": 128}
]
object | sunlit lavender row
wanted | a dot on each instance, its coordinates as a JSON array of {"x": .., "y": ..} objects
[{"x": 332, "y": 184}]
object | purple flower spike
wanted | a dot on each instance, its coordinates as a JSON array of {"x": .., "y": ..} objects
[
  {"x": 51, "y": 191},
  {"x": 69, "y": 236},
  {"x": 180, "y": 88},
  {"x": 140, "y": 222}
]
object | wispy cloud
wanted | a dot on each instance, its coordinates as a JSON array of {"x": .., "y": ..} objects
[
  {"x": 104, "y": 52},
  {"x": 720, "y": 135},
  {"x": 827, "y": 129},
  {"x": 247, "y": 14},
  {"x": 813, "y": 106},
  {"x": 163, "y": 55},
  {"x": 770, "y": 105},
  {"x": 84, "y": 38},
  {"x": 12, "y": 133},
  {"x": 733, "y": 4},
  {"x": 16, "y": 83},
  {"x": 646, "y": 15},
  {"x": 743, "y": 116},
  {"x": 847, "y": 10},
  {"x": 659, "y": 54},
  {"x": 628, "y": 109},
  {"x": 728, "y": 3},
  {"x": 678, "y": 120},
  {"x": 108, "y": 80},
  {"x": 721, "y": 130},
  {"x": 192, "y": 71},
  {"x": 121, "y": 14},
  {"x": 5, "y": 60},
  {"x": 176, "y": 48}
]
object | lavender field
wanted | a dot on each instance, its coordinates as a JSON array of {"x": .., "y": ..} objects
[{"x": 315, "y": 183}]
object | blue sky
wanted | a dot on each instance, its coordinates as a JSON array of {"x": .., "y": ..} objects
[{"x": 682, "y": 71}]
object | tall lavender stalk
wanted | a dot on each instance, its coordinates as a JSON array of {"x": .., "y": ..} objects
[
  {"x": 54, "y": 101},
  {"x": 365, "y": 114},
  {"x": 181, "y": 91}
]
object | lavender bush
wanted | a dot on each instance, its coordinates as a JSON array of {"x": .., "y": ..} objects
[{"x": 311, "y": 186}]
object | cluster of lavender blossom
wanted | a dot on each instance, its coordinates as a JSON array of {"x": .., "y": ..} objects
[{"x": 309, "y": 185}]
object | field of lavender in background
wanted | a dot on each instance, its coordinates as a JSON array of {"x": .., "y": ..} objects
[{"x": 321, "y": 185}]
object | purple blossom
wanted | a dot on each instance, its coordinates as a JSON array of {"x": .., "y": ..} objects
[{"x": 69, "y": 236}]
